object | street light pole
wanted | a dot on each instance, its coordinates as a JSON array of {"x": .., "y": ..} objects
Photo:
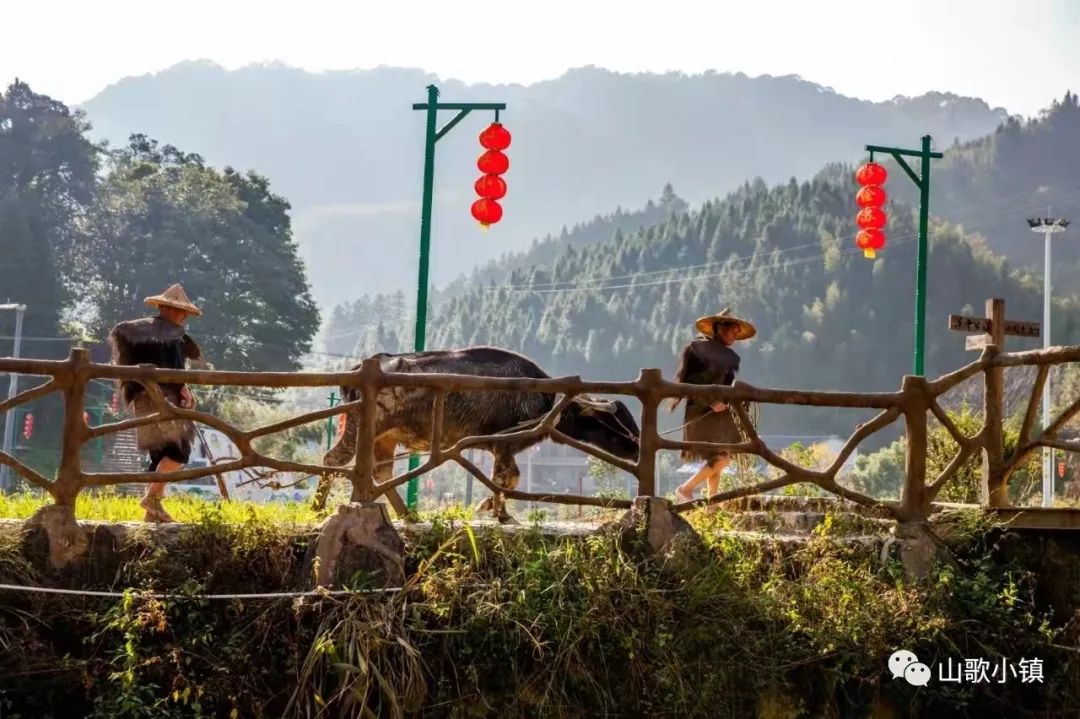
[
  {"x": 1047, "y": 227},
  {"x": 6, "y": 483},
  {"x": 922, "y": 181},
  {"x": 431, "y": 136}
]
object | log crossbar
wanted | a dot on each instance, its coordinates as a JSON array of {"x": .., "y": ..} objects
[{"x": 914, "y": 403}]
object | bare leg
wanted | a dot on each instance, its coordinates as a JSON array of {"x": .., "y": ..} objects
[
  {"x": 151, "y": 501},
  {"x": 713, "y": 483},
  {"x": 710, "y": 472}
]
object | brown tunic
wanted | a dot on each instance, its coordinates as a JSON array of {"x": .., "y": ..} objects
[
  {"x": 708, "y": 361},
  {"x": 156, "y": 341}
]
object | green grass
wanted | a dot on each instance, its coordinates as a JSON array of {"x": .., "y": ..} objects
[{"x": 109, "y": 507}]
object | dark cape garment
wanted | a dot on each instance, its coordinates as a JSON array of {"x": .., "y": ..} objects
[
  {"x": 708, "y": 361},
  {"x": 156, "y": 341}
]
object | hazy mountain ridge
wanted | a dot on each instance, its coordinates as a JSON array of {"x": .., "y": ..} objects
[{"x": 346, "y": 149}]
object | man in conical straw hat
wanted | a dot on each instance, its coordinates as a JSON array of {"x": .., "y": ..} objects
[
  {"x": 709, "y": 359},
  {"x": 160, "y": 341}
]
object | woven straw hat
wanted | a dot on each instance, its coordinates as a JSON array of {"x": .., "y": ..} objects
[
  {"x": 174, "y": 297},
  {"x": 705, "y": 324}
]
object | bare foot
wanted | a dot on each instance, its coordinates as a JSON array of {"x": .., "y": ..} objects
[{"x": 154, "y": 511}]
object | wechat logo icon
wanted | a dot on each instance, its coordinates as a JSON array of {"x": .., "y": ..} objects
[{"x": 904, "y": 664}]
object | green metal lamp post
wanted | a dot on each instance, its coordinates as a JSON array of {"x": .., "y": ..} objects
[
  {"x": 922, "y": 181},
  {"x": 431, "y": 136},
  {"x": 330, "y": 423}
]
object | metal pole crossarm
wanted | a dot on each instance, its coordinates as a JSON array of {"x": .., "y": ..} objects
[
  {"x": 450, "y": 125},
  {"x": 894, "y": 151},
  {"x": 461, "y": 106}
]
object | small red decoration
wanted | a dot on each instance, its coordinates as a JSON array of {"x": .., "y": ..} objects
[
  {"x": 28, "y": 426},
  {"x": 1061, "y": 469},
  {"x": 491, "y": 187},
  {"x": 115, "y": 405},
  {"x": 870, "y": 218},
  {"x": 340, "y": 426},
  {"x": 495, "y": 137},
  {"x": 871, "y": 174},
  {"x": 487, "y": 212},
  {"x": 493, "y": 162},
  {"x": 871, "y": 196},
  {"x": 870, "y": 241}
]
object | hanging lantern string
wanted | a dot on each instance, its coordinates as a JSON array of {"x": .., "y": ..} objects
[{"x": 497, "y": 119}]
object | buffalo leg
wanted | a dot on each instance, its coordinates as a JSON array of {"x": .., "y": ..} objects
[
  {"x": 505, "y": 474},
  {"x": 385, "y": 447}
]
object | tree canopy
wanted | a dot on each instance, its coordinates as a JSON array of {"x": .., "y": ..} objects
[
  {"x": 88, "y": 233},
  {"x": 47, "y": 179},
  {"x": 163, "y": 216}
]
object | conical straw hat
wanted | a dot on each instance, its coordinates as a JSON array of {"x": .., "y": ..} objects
[
  {"x": 174, "y": 297},
  {"x": 705, "y": 324}
]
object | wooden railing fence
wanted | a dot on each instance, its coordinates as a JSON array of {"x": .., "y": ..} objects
[{"x": 914, "y": 403}]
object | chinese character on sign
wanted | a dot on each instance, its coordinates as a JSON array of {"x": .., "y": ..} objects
[
  {"x": 975, "y": 670},
  {"x": 1004, "y": 671},
  {"x": 953, "y": 674},
  {"x": 1031, "y": 671}
]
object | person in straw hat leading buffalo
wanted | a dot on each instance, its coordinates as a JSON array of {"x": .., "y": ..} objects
[
  {"x": 709, "y": 359},
  {"x": 161, "y": 341}
]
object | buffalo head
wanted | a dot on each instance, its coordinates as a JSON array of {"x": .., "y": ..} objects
[{"x": 606, "y": 425}]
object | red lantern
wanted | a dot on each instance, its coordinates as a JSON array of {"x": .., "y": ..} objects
[
  {"x": 28, "y": 426},
  {"x": 870, "y": 241},
  {"x": 492, "y": 187},
  {"x": 493, "y": 162},
  {"x": 340, "y": 426},
  {"x": 871, "y": 196},
  {"x": 495, "y": 137},
  {"x": 870, "y": 218},
  {"x": 487, "y": 212},
  {"x": 1061, "y": 469},
  {"x": 871, "y": 174}
]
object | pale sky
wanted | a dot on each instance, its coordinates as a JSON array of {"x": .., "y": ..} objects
[{"x": 1018, "y": 54}]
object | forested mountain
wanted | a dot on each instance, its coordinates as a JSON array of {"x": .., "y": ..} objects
[
  {"x": 783, "y": 257},
  {"x": 346, "y": 149},
  {"x": 359, "y": 328},
  {"x": 1024, "y": 169}
]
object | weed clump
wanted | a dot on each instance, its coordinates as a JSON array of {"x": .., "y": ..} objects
[{"x": 528, "y": 624}]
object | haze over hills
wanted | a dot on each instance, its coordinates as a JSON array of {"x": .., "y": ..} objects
[
  {"x": 346, "y": 149},
  {"x": 618, "y": 293}
]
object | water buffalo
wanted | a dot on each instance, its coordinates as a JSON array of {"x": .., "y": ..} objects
[{"x": 403, "y": 416}]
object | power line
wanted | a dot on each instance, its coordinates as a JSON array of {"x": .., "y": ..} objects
[
  {"x": 750, "y": 258},
  {"x": 674, "y": 280}
]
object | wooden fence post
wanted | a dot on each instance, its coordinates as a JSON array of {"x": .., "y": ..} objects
[
  {"x": 363, "y": 476},
  {"x": 995, "y": 490},
  {"x": 913, "y": 499},
  {"x": 649, "y": 380},
  {"x": 69, "y": 476}
]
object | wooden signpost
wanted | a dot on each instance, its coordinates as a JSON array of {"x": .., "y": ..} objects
[
  {"x": 963, "y": 323},
  {"x": 994, "y": 328}
]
